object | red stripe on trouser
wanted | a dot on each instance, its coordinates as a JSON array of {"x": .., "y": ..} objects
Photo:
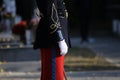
[{"x": 46, "y": 62}]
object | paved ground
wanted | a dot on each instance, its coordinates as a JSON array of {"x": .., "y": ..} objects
[
  {"x": 86, "y": 75},
  {"x": 106, "y": 47}
]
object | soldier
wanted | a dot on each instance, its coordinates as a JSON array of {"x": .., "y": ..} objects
[
  {"x": 84, "y": 14},
  {"x": 26, "y": 13},
  {"x": 52, "y": 38}
]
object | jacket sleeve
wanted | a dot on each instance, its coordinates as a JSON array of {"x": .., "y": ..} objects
[{"x": 58, "y": 11}]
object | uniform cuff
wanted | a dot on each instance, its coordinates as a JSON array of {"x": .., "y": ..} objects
[{"x": 58, "y": 36}]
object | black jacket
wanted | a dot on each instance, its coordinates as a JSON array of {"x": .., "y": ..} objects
[{"x": 53, "y": 24}]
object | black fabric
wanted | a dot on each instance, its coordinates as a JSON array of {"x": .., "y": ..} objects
[
  {"x": 43, "y": 37},
  {"x": 84, "y": 9},
  {"x": 58, "y": 35}
]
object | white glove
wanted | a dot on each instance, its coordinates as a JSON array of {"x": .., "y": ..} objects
[{"x": 63, "y": 47}]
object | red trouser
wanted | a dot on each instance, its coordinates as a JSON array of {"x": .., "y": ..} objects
[{"x": 52, "y": 64}]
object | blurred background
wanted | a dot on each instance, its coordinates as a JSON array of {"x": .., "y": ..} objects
[{"x": 94, "y": 29}]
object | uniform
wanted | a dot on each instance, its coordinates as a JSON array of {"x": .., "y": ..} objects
[
  {"x": 51, "y": 29},
  {"x": 49, "y": 40},
  {"x": 85, "y": 10},
  {"x": 84, "y": 13}
]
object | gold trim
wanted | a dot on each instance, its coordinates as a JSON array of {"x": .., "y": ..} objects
[{"x": 56, "y": 22}]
